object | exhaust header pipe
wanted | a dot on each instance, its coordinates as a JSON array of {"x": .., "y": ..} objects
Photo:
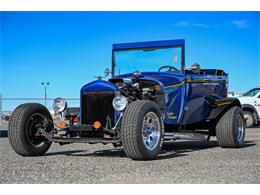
[{"x": 172, "y": 136}]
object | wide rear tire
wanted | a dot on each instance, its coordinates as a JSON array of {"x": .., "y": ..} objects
[
  {"x": 230, "y": 129},
  {"x": 142, "y": 130},
  {"x": 22, "y": 129}
]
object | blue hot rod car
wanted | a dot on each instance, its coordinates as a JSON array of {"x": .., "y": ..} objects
[{"x": 151, "y": 98}]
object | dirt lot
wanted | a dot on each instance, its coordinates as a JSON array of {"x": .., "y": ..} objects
[{"x": 179, "y": 162}]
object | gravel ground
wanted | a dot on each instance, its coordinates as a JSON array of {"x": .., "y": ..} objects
[{"x": 179, "y": 162}]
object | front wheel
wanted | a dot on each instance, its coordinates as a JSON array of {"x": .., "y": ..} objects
[
  {"x": 142, "y": 130},
  {"x": 23, "y": 133},
  {"x": 230, "y": 129}
]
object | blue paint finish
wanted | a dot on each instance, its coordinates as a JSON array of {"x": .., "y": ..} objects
[
  {"x": 163, "y": 78},
  {"x": 174, "y": 101},
  {"x": 183, "y": 104},
  {"x": 99, "y": 85},
  {"x": 149, "y": 44},
  {"x": 186, "y": 101},
  {"x": 184, "y": 91},
  {"x": 194, "y": 111},
  {"x": 174, "y": 96},
  {"x": 200, "y": 86}
]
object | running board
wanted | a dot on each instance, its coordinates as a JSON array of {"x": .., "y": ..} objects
[{"x": 171, "y": 136}]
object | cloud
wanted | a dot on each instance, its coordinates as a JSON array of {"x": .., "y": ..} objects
[
  {"x": 234, "y": 23},
  {"x": 182, "y": 24},
  {"x": 201, "y": 25},
  {"x": 240, "y": 23},
  {"x": 187, "y": 24}
]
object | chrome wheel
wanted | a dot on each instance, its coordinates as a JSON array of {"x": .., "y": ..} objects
[
  {"x": 249, "y": 119},
  {"x": 240, "y": 128},
  {"x": 151, "y": 130}
]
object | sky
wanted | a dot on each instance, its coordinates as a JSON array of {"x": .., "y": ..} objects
[{"x": 68, "y": 49}]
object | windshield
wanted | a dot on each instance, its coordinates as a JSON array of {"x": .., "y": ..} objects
[
  {"x": 145, "y": 60},
  {"x": 252, "y": 92}
]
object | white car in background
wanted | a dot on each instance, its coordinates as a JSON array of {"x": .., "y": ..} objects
[
  {"x": 234, "y": 94},
  {"x": 250, "y": 102}
]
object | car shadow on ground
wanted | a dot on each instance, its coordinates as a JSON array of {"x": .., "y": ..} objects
[
  {"x": 3, "y": 133},
  {"x": 169, "y": 150}
]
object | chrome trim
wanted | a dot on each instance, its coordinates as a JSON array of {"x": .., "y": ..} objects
[
  {"x": 240, "y": 129},
  {"x": 176, "y": 84},
  {"x": 171, "y": 136},
  {"x": 151, "y": 131},
  {"x": 118, "y": 120},
  {"x": 248, "y": 119}
]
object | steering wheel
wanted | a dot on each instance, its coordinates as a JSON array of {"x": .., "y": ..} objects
[{"x": 170, "y": 68}]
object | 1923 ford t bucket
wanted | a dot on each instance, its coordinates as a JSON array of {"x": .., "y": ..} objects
[{"x": 150, "y": 99}]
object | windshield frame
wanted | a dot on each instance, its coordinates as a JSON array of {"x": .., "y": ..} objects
[{"x": 151, "y": 45}]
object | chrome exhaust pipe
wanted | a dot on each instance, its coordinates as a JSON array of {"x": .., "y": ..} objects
[
  {"x": 171, "y": 136},
  {"x": 168, "y": 136}
]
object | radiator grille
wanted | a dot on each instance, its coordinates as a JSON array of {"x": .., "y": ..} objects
[{"x": 97, "y": 106}]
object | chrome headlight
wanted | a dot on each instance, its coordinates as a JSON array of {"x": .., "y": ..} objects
[
  {"x": 119, "y": 103},
  {"x": 59, "y": 105}
]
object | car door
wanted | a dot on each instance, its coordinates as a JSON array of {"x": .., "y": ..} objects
[
  {"x": 195, "y": 109},
  {"x": 174, "y": 102}
]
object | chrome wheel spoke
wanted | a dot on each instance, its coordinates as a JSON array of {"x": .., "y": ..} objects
[
  {"x": 240, "y": 129},
  {"x": 151, "y": 130},
  {"x": 248, "y": 119}
]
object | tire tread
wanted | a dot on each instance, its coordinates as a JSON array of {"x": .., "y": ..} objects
[
  {"x": 225, "y": 129},
  {"x": 16, "y": 135},
  {"x": 130, "y": 124}
]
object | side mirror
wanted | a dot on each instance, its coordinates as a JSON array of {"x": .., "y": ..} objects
[
  {"x": 195, "y": 68},
  {"x": 99, "y": 77},
  {"x": 107, "y": 72},
  {"x": 136, "y": 74}
]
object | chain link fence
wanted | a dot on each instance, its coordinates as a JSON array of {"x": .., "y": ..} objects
[{"x": 7, "y": 105}]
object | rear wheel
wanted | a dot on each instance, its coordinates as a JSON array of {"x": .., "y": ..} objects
[
  {"x": 142, "y": 130},
  {"x": 249, "y": 118},
  {"x": 22, "y": 132},
  {"x": 230, "y": 129}
]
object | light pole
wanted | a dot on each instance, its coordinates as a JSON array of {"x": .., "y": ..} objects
[{"x": 45, "y": 84}]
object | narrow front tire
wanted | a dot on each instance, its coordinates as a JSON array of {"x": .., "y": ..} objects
[{"x": 22, "y": 131}]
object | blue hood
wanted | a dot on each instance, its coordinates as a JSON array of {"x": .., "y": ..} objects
[
  {"x": 99, "y": 85},
  {"x": 163, "y": 78}
]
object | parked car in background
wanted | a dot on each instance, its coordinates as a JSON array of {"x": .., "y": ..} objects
[
  {"x": 233, "y": 94},
  {"x": 251, "y": 106}
]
